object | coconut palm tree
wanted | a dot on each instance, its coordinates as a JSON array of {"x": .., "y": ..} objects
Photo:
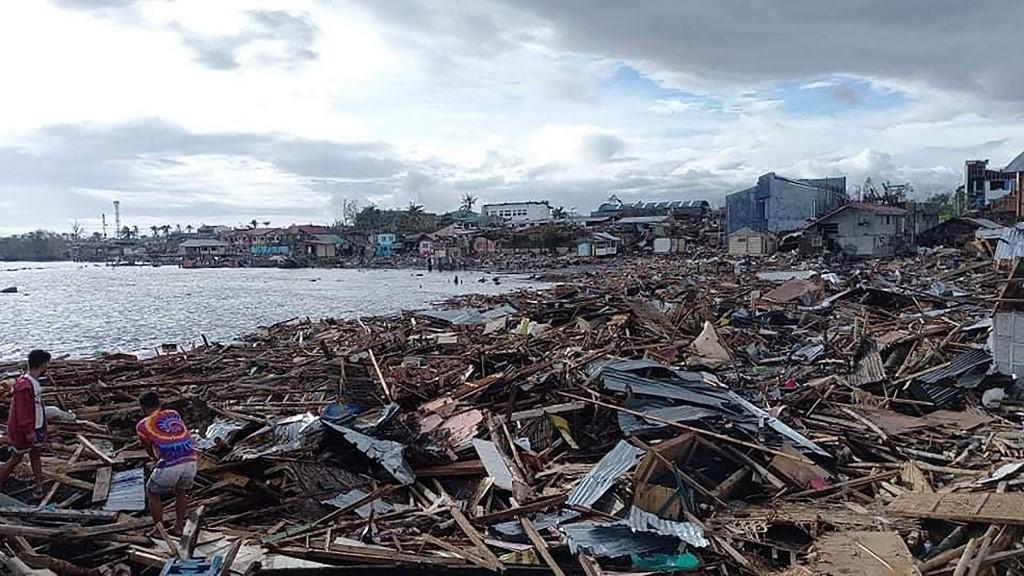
[
  {"x": 468, "y": 201},
  {"x": 189, "y": 228},
  {"x": 266, "y": 223},
  {"x": 154, "y": 228},
  {"x": 253, "y": 223},
  {"x": 166, "y": 229}
]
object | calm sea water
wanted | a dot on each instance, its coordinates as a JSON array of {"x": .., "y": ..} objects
[{"x": 79, "y": 309}]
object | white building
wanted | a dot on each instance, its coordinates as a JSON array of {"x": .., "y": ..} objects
[{"x": 519, "y": 212}]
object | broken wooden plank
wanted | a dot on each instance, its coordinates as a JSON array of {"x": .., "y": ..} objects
[
  {"x": 92, "y": 448},
  {"x": 540, "y": 546},
  {"x": 101, "y": 487},
  {"x": 485, "y": 553},
  {"x": 976, "y": 507}
]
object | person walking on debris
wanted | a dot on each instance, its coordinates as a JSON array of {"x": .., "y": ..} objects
[
  {"x": 26, "y": 423},
  {"x": 167, "y": 439}
]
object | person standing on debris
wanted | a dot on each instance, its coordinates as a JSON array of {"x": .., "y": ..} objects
[
  {"x": 167, "y": 439},
  {"x": 26, "y": 422}
]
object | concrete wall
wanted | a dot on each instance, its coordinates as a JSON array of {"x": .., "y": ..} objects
[
  {"x": 518, "y": 211},
  {"x": 742, "y": 210},
  {"x": 863, "y": 233}
]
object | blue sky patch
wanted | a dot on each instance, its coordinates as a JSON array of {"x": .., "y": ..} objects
[{"x": 835, "y": 96}]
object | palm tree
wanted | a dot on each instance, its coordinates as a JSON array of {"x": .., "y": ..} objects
[
  {"x": 178, "y": 228},
  {"x": 166, "y": 229},
  {"x": 468, "y": 201},
  {"x": 154, "y": 228},
  {"x": 189, "y": 228},
  {"x": 253, "y": 223},
  {"x": 266, "y": 223},
  {"x": 414, "y": 209},
  {"x": 135, "y": 231}
]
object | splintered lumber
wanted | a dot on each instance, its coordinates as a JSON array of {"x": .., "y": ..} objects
[
  {"x": 464, "y": 554},
  {"x": 101, "y": 488},
  {"x": 92, "y": 448},
  {"x": 484, "y": 552},
  {"x": 190, "y": 534},
  {"x": 540, "y": 545},
  {"x": 57, "y": 514},
  {"x": 984, "y": 507}
]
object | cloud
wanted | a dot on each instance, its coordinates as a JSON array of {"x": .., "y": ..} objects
[
  {"x": 271, "y": 38},
  {"x": 601, "y": 147},
  {"x": 942, "y": 43}
]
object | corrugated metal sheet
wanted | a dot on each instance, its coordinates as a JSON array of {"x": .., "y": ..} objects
[
  {"x": 958, "y": 366},
  {"x": 127, "y": 491},
  {"x": 468, "y": 316},
  {"x": 643, "y": 521},
  {"x": 220, "y": 430},
  {"x": 940, "y": 396},
  {"x": 868, "y": 368},
  {"x": 388, "y": 453},
  {"x": 352, "y": 496},
  {"x": 614, "y": 540},
  {"x": 1011, "y": 245},
  {"x": 692, "y": 389},
  {"x": 610, "y": 468},
  {"x": 287, "y": 435},
  {"x": 630, "y": 424}
]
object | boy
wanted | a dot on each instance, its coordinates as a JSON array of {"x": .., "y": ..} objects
[
  {"x": 168, "y": 441},
  {"x": 26, "y": 421}
]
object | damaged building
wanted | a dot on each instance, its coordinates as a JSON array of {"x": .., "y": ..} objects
[
  {"x": 858, "y": 229},
  {"x": 779, "y": 204}
]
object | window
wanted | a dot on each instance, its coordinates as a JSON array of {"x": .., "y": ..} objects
[
  {"x": 830, "y": 228},
  {"x": 887, "y": 221}
]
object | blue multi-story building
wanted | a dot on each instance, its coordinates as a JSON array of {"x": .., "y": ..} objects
[{"x": 777, "y": 204}]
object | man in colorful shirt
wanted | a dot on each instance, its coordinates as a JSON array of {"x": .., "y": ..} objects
[
  {"x": 166, "y": 437},
  {"x": 26, "y": 420}
]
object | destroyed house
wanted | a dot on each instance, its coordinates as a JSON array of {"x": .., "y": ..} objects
[
  {"x": 956, "y": 232},
  {"x": 858, "y": 229},
  {"x": 1008, "y": 325},
  {"x": 778, "y": 204}
]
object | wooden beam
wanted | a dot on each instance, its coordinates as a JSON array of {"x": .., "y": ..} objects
[
  {"x": 485, "y": 553},
  {"x": 101, "y": 487},
  {"x": 190, "y": 534},
  {"x": 92, "y": 448},
  {"x": 540, "y": 545}
]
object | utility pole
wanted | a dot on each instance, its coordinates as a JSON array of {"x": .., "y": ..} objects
[
  {"x": 104, "y": 217},
  {"x": 117, "y": 217}
]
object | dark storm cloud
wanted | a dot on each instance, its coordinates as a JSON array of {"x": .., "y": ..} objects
[
  {"x": 955, "y": 45},
  {"x": 294, "y": 34}
]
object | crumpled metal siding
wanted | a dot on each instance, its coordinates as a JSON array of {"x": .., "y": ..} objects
[
  {"x": 692, "y": 388},
  {"x": 355, "y": 495},
  {"x": 127, "y": 491},
  {"x": 643, "y": 521},
  {"x": 1011, "y": 245},
  {"x": 609, "y": 469},
  {"x": 959, "y": 365},
  {"x": 614, "y": 540},
  {"x": 388, "y": 453}
]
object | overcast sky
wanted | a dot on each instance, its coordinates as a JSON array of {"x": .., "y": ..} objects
[{"x": 203, "y": 111}]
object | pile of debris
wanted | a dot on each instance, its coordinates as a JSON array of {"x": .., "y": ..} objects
[{"x": 657, "y": 415}]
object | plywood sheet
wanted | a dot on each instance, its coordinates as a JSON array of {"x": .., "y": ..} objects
[
  {"x": 982, "y": 507},
  {"x": 863, "y": 554}
]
